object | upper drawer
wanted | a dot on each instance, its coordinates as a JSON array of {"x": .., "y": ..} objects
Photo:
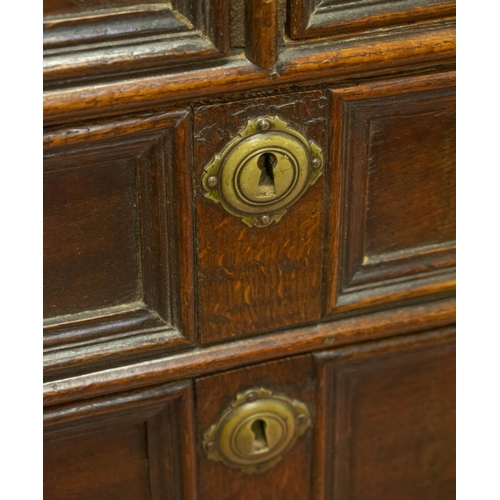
[{"x": 316, "y": 18}]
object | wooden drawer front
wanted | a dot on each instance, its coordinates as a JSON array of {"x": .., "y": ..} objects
[
  {"x": 252, "y": 280},
  {"x": 127, "y": 446},
  {"x": 109, "y": 37},
  {"x": 291, "y": 478},
  {"x": 392, "y": 220},
  {"x": 386, "y": 420},
  {"x": 316, "y": 18},
  {"x": 117, "y": 251}
]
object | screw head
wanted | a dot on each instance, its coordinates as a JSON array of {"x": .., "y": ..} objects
[
  {"x": 261, "y": 467},
  {"x": 251, "y": 396},
  {"x": 316, "y": 163},
  {"x": 264, "y": 124},
  {"x": 210, "y": 446},
  {"x": 301, "y": 418},
  {"x": 264, "y": 220},
  {"x": 212, "y": 181}
]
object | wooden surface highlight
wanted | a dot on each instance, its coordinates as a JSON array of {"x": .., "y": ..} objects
[{"x": 223, "y": 357}]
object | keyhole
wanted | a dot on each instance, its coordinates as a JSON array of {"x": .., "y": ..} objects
[
  {"x": 266, "y": 163},
  {"x": 260, "y": 443}
]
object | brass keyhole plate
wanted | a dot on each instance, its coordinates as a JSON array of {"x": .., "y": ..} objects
[
  {"x": 256, "y": 431},
  {"x": 263, "y": 171}
]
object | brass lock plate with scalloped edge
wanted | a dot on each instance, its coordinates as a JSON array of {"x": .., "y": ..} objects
[
  {"x": 263, "y": 171},
  {"x": 256, "y": 431}
]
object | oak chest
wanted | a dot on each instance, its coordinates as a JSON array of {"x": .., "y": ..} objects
[{"x": 249, "y": 280}]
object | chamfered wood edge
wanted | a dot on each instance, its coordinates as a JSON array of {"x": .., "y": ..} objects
[
  {"x": 137, "y": 330},
  {"x": 422, "y": 45},
  {"x": 222, "y": 357},
  {"x": 323, "y": 366},
  {"x": 384, "y": 289}
]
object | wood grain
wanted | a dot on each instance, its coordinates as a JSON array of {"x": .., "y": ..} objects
[
  {"x": 118, "y": 246},
  {"x": 126, "y": 445},
  {"x": 113, "y": 38},
  {"x": 226, "y": 356},
  {"x": 291, "y": 377},
  {"x": 392, "y": 217},
  {"x": 253, "y": 280},
  {"x": 261, "y": 32},
  {"x": 386, "y": 420},
  {"x": 320, "y": 18},
  {"x": 399, "y": 49}
]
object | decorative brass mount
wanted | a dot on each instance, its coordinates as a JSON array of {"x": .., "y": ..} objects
[
  {"x": 263, "y": 171},
  {"x": 256, "y": 431}
]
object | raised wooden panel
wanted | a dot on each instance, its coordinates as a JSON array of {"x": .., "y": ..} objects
[
  {"x": 291, "y": 478},
  {"x": 118, "y": 249},
  {"x": 316, "y": 18},
  {"x": 136, "y": 446},
  {"x": 392, "y": 210},
  {"x": 253, "y": 280},
  {"x": 386, "y": 420},
  {"x": 110, "y": 37}
]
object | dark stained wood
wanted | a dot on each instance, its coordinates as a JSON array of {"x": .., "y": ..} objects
[
  {"x": 262, "y": 348},
  {"x": 253, "y": 280},
  {"x": 118, "y": 251},
  {"x": 427, "y": 44},
  {"x": 386, "y": 420},
  {"x": 261, "y": 32},
  {"x": 127, "y": 445},
  {"x": 316, "y": 18},
  {"x": 160, "y": 306},
  {"x": 291, "y": 478},
  {"x": 109, "y": 37},
  {"x": 392, "y": 218}
]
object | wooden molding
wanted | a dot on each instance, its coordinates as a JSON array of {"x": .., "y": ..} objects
[
  {"x": 266, "y": 347},
  {"x": 160, "y": 314},
  {"x": 385, "y": 403},
  {"x": 79, "y": 45},
  {"x": 396, "y": 49},
  {"x": 391, "y": 226},
  {"x": 319, "y": 18},
  {"x": 144, "y": 425}
]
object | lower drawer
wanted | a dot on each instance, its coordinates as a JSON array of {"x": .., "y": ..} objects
[{"x": 381, "y": 425}]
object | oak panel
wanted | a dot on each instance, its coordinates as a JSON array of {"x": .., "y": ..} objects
[
  {"x": 252, "y": 280},
  {"x": 392, "y": 217},
  {"x": 316, "y": 18},
  {"x": 113, "y": 37},
  {"x": 118, "y": 254},
  {"x": 386, "y": 423},
  {"x": 124, "y": 446},
  {"x": 291, "y": 478}
]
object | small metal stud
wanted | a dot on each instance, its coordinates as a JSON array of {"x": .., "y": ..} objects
[
  {"x": 264, "y": 124},
  {"x": 264, "y": 220},
  {"x": 251, "y": 396},
  {"x": 301, "y": 418},
  {"x": 212, "y": 181},
  {"x": 316, "y": 163},
  {"x": 210, "y": 446}
]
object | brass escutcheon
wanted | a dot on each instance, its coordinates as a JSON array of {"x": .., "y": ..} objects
[
  {"x": 263, "y": 171},
  {"x": 256, "y": 431}
]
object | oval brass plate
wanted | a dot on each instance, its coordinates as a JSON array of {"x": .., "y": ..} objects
[
  {"x": 263, "y": 171},
  {"x": 256, "y": 431}
]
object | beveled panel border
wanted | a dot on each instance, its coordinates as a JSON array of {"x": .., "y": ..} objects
[
  {"x": 164, "y": 317},
  {"x": 352, "y": 282},
  {"x": 108, "y": 42},
  {"x": 163, "y": 410},
  {"x": 321, "y": 18},
  {"x": 338, "y": 372}
]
